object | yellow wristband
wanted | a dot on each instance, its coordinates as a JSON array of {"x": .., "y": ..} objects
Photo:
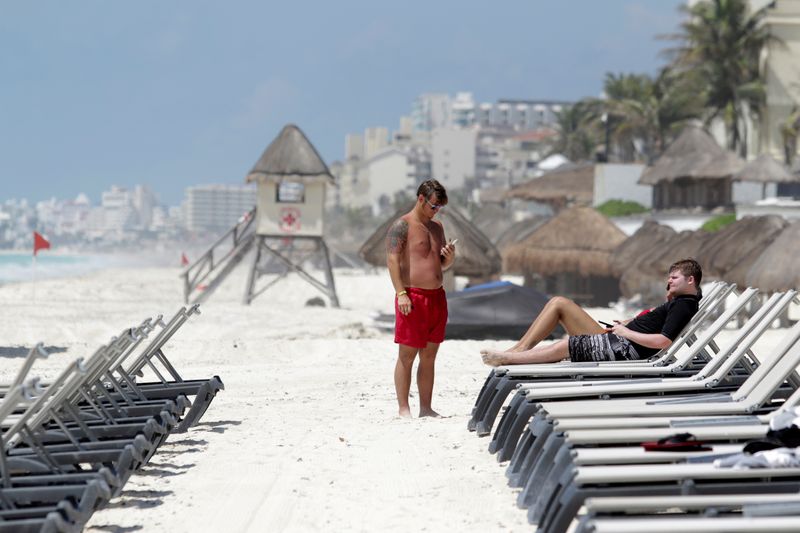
[{"x": 399, "y": 294}]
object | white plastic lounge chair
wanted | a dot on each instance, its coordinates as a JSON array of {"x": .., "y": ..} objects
[
  {"x": 536, "y": 455},
  {"x": 502, "y": 380},
  {"x": 717, "y": 373}
]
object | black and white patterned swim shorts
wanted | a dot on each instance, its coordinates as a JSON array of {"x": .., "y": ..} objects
[{"x": 601, "y": 347}]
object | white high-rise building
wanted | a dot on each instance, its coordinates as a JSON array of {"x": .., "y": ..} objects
[
  {"x": 518, "y": 115},
  {"x": 375, "y": 140},
  {"x": 462, "y": 110},
  {"x": 74, "y": 215},
  {"x": 453, "y": 155},
  {"x": 144, "y": 201},
  {"x": 217, "y": 207},
  {"x": 781, "y": 74},
  {"x": 353, "y": 146},
  {"x": 387, "y": 173},
  {"x": 431, "y": 111},
  {"x": 118, "y": 213}
]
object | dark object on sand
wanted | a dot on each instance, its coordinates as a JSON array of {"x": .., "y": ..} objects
[
  {"x": 497, "y": 310},
  {"x": 680, "y": 442},
  {"x": 316, "y": 301}
]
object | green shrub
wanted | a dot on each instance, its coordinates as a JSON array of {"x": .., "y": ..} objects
[
  {"x": 718, "y": 222},
  {"x": 621, "y": 208}
]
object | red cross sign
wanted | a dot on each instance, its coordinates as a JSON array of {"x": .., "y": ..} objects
[{"x": 290, "y": 219}]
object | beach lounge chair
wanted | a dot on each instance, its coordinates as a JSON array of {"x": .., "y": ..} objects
[
  {"x": 503, "y": 380},
  {"x": 537, "y": 450},
  {"x": 720, "y": 372},
  {"x": 556, "y": 508},
  {"x": 154, "y": 359},
  {"x": 752, "y": 513},
  {"x": 43, "y": 501},
  {"x": 54, "y": 417},
  {"x": 555, "y": 453},
  {"x": 540, "y": 486},
  {"x": 755, "y": 392},
  {"x": 71, "y": 445}
]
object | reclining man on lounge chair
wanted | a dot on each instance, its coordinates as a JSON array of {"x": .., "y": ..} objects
[{"x": 638, "y": 338}]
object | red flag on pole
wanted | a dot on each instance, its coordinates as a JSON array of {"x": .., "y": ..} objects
[
  {"x": 39, "y": 243},
  {"x": 184, "y": 259}
]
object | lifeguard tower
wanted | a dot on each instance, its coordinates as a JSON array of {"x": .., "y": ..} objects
[{"x": 286, "y": 226}]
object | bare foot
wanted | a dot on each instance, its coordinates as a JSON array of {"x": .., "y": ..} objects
[
  {"x": 405, "y": 412},
  {"x": 429, "y": 412},
  {"x": 493, "y": 358},
  {"x": 510, "y": 350}
]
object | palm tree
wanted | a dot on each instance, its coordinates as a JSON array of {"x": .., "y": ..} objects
[
  {"x": 577, "y": 134},
  {"x": 790, "y": 130},
  {"x": 645, "y": 114},
  {"x": 720, "y": 43}
]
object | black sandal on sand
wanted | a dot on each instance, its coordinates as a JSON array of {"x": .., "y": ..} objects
[{"x": 680, "y": 442}]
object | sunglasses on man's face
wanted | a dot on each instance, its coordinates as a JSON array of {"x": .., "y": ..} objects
[{"x": 435, "y": 207}]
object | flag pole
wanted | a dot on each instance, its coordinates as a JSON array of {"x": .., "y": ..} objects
[
  {"x": 33, "y": 298},
  {"x": 39, "y": 243}
]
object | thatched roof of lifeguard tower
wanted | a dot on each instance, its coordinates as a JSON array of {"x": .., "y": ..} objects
[
  {"x": 640, "y": 246},
  {"x": 569, "y": 184},
  {"x": 776, "y": 267},
  {"x": 694, "y": 154},
  {"x": 476, "y": 255},
  {"x": 765, "y": 169},
  {"x": 730, "y": 252},
  {"x": 290, "y": 155},
  {"x": 578, "y": 240}
]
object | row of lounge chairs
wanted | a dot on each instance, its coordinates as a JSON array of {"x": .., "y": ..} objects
[
  {"x": 70, "y": 445},
  {"x": 573, "y": 432}
]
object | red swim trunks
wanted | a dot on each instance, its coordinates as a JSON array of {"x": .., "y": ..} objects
[{"x": 426, "y": 321}]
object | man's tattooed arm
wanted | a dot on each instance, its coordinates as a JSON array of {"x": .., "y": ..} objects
[{"x": 397, "y": 237}]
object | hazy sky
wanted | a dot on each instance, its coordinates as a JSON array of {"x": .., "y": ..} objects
[{"x": 181, "y": 92}]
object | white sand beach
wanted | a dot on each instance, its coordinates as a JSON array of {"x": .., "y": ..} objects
[{"x": 305, "y": 437}]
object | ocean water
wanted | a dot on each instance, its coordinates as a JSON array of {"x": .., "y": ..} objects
[{"x": 15, "y": 267}]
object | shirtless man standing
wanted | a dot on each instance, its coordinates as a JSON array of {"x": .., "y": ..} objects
[{"x": 416, "y": 254}]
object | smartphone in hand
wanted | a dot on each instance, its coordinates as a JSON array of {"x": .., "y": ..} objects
[{"x": 606, "y": 324}]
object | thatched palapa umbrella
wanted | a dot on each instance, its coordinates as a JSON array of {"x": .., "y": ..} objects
[
  {"x": 765, "y": 169},
  {"x": 649, "y": 276},
  {"x": 476, "y": 255},
  {"x": 630, "y": 261},
  {"x": 776, "y": 267},
  {"x": 693, "y": 171},
  {"x": 519, "y": 231},
  {"x": 570, "y": 184},
  {"x": 730, "y": 252},
  {"x": 640, "y": 246},
  {"x": 578, "y": 240},
  {"x": 573, "y": 249},
  {"x": 492, "y": 220}
]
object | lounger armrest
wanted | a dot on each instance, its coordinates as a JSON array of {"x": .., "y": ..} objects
[
  {"x": 722, "y": 421},
  {"x": 700, "y": 398},
  {"x": 772, "y": 509}
]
